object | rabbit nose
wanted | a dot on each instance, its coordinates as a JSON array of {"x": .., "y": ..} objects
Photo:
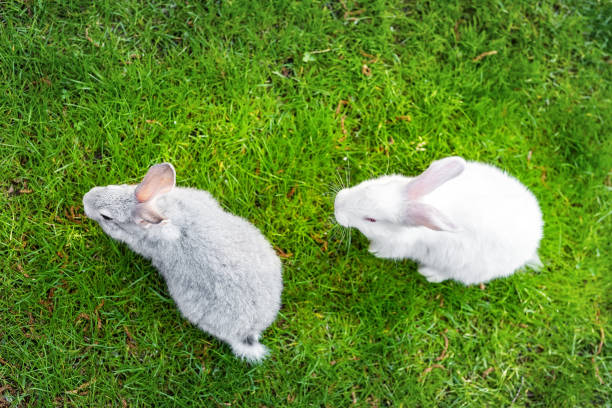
[
  {"x": 340, "y": 198},
  {"x": 340, "y": 215},
  {"x": 88, "y": 198},
  {"x": 341, "y": 218}
]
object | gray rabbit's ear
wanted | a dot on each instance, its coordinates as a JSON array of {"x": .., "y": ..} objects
[
  {"x": 417, "y": 214},
  {"x": 438, "y": 173},
  {"x": 145, "y": 213},
  {"x": 159, "y": 179}
]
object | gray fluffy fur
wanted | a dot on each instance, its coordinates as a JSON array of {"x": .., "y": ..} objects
[{"x": 220, "y": 270}]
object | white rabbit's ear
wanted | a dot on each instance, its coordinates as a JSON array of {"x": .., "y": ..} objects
[
  {"x": 145, "y": 213},
  {"x": 159, "y": 179},
  {"x": 438, "y": 173},
  {"x": 417, "y": 214}
]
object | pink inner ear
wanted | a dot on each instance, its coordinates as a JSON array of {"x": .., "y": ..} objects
[
  {"x": 159, "y": 179},
  {"x": 423, "y": 215},
  {"x": 147, "y": 213},
  {"x": 438, "y": 173}
]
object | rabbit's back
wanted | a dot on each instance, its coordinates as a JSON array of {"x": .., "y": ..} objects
[
  {"x": 486, "y": 197},
  {"x": 499, "y": 224},
  {"x": 221, "y": 271}
]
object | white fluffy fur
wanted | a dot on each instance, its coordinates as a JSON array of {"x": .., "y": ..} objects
[
  {"x": 476, "y": 224},
  {"x": 220, "y": 270}
]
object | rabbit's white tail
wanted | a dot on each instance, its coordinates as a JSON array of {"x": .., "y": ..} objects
[
  {"x": 250, "y": 350},
  {"x": 535, "y": 263}
]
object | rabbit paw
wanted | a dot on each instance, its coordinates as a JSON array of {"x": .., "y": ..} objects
[{"x": 431, "y": 274}]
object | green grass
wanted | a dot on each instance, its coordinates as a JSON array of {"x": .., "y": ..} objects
[{"x": 242, "y": 97}]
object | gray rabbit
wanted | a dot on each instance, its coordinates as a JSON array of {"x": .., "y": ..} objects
[{"x": 220, "y": 270}]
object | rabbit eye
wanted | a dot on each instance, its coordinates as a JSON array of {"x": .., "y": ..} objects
[
  {"x": 106, "y": 217},
  {"x": 370, "y": 219}
]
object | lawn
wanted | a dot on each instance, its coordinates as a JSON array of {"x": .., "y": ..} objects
[{"x": 270, "y": 106}]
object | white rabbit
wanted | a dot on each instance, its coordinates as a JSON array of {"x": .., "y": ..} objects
[
  {"x": 459, "y": 220},
  {"x": 220, "y": 270}
]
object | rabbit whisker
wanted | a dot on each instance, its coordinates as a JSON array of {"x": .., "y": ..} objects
[
  {"x": 348, "y": 244},
  {"x": 334, "y": 187},
  {"x": 348, "y": 173},
  {"x": 340, "y": 179}
]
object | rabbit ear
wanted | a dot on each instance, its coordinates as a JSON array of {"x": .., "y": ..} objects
[
  {"x": 438, "y": 173},
  {"x": 145, "y": 213},
  {"x": 159, "y": 179},
  {"x": 424, "y": 215}
]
